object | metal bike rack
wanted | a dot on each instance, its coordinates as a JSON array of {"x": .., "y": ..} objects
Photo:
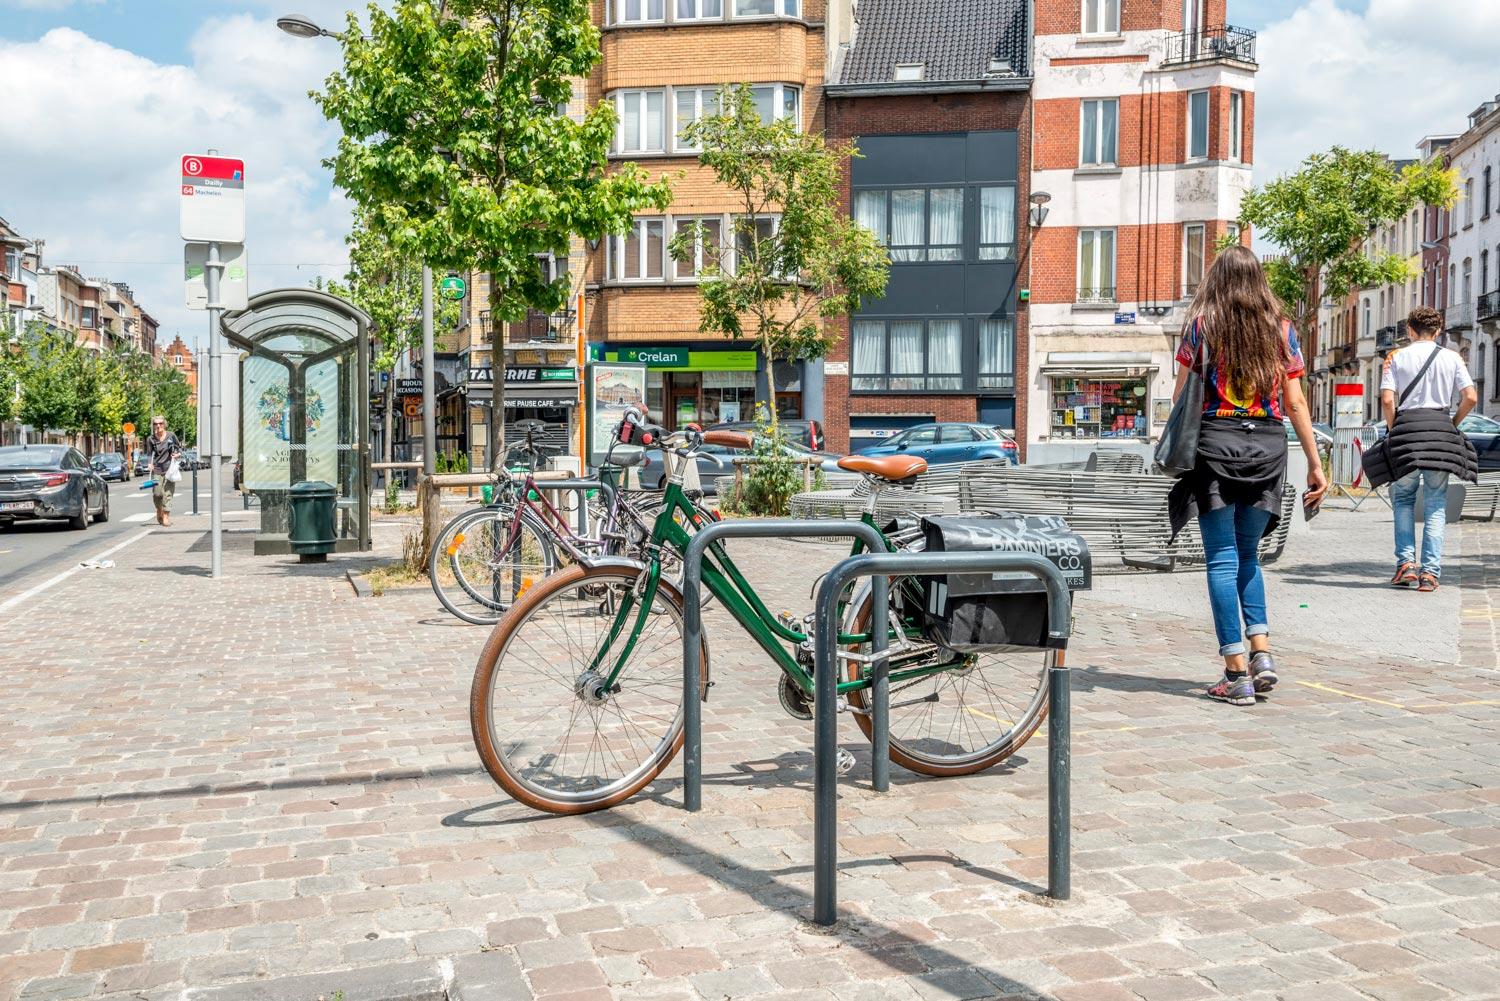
[
  {"x": 878, "y": 566},
  {"x": 578, "y": 485},
  {"x": 692, "y": 640}
]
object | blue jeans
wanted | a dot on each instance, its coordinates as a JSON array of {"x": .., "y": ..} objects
[
  {"x": 1231, "y": 540},
  {"x": 1434, "y": 487}
]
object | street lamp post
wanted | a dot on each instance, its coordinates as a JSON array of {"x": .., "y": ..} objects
[{"x": 299, "y": 26}]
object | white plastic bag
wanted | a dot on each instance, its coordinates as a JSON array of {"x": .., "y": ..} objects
[{"x": 174, "y": 472}]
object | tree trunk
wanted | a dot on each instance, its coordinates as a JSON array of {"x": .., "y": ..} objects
[
  {"x": 764, "y": 390},
  {"x": 495, "y": 453}
]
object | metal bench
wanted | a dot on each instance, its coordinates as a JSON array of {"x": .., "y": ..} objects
[
  {"x": 1122, "y": 516},
  {"x": 1482, "y": 499}
]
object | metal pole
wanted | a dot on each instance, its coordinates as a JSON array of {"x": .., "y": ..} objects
[
  {"x": 211, "y": 272},
  {"x": 1059, "y": 779},
  {"x": 429, "y": 418},
  {"x": 692, "y": 621},
  {"x": 880, "y": 689}
]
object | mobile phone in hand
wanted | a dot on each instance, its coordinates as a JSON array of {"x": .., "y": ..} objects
[{"x": 1310, "y": 510}]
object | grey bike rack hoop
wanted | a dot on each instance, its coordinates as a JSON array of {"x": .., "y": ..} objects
[
  {"x": 577, "y": 484},
  {"x": 692, "y": 638},
  {"x": 825, "y": 726}
]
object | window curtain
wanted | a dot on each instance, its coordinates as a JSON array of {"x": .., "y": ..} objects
[
  {"x": 632, "y": 255},
  {"x": 945, "y": 228},
  {"x": 869, "y": 212},
  {"x": 687, "y": 111},
  {"x": 997, "y": 353},
  {"x": 945, "y": 342},
  {"x": 1109, "y": 140},
  {"x": 997, "y": 223},
  {"x": 906, "y": 354},
  {"x": 906, "y": 224},
  {"x": 655, "y": 115},
  {"x": 1090, "y": 132},
  {"x": 630, "y": 114},
  {"x": 867, "y": 361}
]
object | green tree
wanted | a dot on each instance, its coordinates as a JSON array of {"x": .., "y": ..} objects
[
  {"x": 1322, "y": 215},
  {"x": 170, "y": 398},
  {"x": 10, "y": 367},
  {"x": 50, "y": 366},
  {"x": 779, "y": 285},
  {"x": 454, "y": 148}
]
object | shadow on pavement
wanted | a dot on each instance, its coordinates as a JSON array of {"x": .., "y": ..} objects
[
  {"x": 186, "y": 570},
  {"x": 1092, "y": 677}
]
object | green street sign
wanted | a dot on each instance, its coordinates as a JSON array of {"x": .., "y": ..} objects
[{"x": 451, "y": 287}]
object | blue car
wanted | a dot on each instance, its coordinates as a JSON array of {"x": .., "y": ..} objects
[{"x": 942, "y": 444}]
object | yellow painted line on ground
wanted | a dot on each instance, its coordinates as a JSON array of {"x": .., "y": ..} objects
[
  {"x": 997, "y": 719},
  {"x": 1352, "y": 695}
]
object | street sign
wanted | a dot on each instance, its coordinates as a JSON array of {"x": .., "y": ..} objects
[
  {"x": 451, "y": 287},
  {"x": 212, "y": 199},
  {"x": 1125, "y": 318},
  {"x": 234, "y": 282},
  {"x": 411, "y": 406},
  {"x": 127, "y": 428}
]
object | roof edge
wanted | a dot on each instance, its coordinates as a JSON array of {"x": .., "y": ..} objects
[{"x": 893, "y": 89}]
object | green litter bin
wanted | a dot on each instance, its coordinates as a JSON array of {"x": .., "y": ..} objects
[{"x": 312, "y": 504}]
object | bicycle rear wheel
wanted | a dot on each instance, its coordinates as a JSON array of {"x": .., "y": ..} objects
[
  {"x": 548, "y": 727},
  {"x": 489, "y": 561},
  {"x": 962, "y": 720}
]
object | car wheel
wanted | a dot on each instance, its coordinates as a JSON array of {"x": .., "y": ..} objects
[
  {"x": 103, "y": 514},
  {"x": 81, "y": 522}
]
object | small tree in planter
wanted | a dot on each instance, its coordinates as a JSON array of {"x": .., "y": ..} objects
[{"x": 793, "y": 261}]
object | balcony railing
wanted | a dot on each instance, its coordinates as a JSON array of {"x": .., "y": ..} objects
[
  {"x": 1223, "y": 42},
  {"x": 1489, "y": 306},
  {"x": 1096, "y": 296},
  {"x": 1385, "y": 338},
  {"x": 543, "y": 328},
  {"x": 1459, "y": 316}
]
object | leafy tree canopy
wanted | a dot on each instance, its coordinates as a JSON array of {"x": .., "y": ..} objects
[{"x": 1322, "y": 215}]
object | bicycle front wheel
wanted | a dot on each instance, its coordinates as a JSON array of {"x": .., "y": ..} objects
[
  {"x": 490, "y": 561},
  {"x": 962, "y": 719},
  {"x": 549, "y": 725}
]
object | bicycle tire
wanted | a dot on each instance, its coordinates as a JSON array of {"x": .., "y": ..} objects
[
  {"x": 437, "y": 555},
  {"x": 906, "y": 752},
  {"x": 488, "y": 742},
  {"x": 472, "y": 605}
]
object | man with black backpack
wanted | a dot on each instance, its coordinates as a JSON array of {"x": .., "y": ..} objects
[{"x": 1423, "y": 443}]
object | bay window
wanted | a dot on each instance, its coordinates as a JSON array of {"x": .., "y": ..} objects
[
  {"x": 697, "y": 10},
  {"x": 691, "y": 104},
  {"x": 1100, "y": 133},
  {"x": 767, "y": 8},
  {"x": 777, "y": 100},
  {"x": 1197, "y": 125},
  {"x": 641, "y": 121},
  {"x": 1096, "y": 265},
  {"x": 749, "y": 234}
]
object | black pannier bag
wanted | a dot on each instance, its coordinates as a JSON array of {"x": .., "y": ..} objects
[{"x": 979, "y": 612}]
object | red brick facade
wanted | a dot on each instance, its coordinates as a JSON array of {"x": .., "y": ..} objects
[{"x": 1065, "y": 17}]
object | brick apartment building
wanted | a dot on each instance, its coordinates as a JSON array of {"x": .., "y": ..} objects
[
  {"x": 663, "y": 64},
  {"x": 180, "y": 356},
  {"x": 1143, "y": 135},
  {"x": 935, "y": 93}
]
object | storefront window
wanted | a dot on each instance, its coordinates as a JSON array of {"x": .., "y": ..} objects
[{"x": 1103, "y": 407}]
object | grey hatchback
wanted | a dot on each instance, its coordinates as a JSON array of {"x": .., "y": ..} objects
[{"x": 50, "y": 481}]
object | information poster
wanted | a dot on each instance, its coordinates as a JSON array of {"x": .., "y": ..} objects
[
  {"x": 322, "y": 422},
  {"x": 264, "y": 415},
  {"x": 613, "y": 388}
]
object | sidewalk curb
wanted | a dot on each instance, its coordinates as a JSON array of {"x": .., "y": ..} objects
[
  {"x": 486, "y": 976},
  {"x": 361, "y": 586}
]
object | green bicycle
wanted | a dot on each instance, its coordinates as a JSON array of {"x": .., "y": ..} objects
[{"x": 576, "y": 703}]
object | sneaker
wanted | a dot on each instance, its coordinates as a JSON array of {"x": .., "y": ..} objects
[
  {"x": 1263, "y": 671},
  {"x": 1428, "y": 582},
  {"x": 1406, "y": 575},
  {"x": 1239, "y": 692}
]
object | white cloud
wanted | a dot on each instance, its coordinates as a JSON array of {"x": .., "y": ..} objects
[
  {"x": 1380, "y": 79},
  {"x": 92, "y": 135}
]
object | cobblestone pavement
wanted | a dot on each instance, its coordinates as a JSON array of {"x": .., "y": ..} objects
[{"x": 208, "y": 782}]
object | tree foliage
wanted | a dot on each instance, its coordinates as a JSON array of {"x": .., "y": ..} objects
[
  {"x": 778, "y": 286},
  {"x": 447, "y": 153},
  {"x": 1322, "y": 215}
]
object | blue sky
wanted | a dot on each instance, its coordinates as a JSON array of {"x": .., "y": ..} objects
[{"x": 149, "y": 80}]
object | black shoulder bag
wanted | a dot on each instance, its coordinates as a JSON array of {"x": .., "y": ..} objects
[
  {"x": 1377, "y": 465},
  {"x": 1177, "y": 451}
]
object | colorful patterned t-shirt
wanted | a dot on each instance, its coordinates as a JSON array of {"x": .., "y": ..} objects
[{"x": 1218, "y": 399}]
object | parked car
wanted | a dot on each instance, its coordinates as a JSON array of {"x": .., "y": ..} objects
[
  {"x": 1484, "y": 433},
  {"x": 111, "y": 466},
  {"x": 190, "y": 461},
  {"x": 808, "y": 434},
  {"x": 141, "y": 462},
  {"x": 941, "y": 444},
  {"x": 716, "y": 460},
  {"x": 1009, "y": 443},
  {"x": 50, "y": 481},
  {"x": 1322, "y": 434}
]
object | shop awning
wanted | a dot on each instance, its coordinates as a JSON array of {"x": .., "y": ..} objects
[{"x": 1097, "y": 362}]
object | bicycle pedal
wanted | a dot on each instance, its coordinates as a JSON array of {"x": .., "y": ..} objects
[
  {"x": 843, "y": 762},
  {"x": 787, "y": 619}
]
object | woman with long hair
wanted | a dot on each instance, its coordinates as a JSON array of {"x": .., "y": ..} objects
[{"x": 1248, "y": 354}]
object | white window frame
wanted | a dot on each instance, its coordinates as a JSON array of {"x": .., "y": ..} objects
[
  {"x": 1100, "y": 17},
  {"x": 1099, "y": 131},
  {"x": 731, "y": 232},
  {"x": 619, "y": 97},
  {"x": 1236, "y": 126},
  {"x": 618, "y": 8},
  {"x": 1468, "y": 202},
  {"x": 779, "y": 8},
  {"x": 778, "y": 99},
  {"x": 1207, "y": 124},
  {"x": 1234, "y": 231},
  {"x": 615, "y": 266},
  {"x": 697, "y": 14},
  {"x": 700, "y": 94},
  {"x": 1190, "y": 287},
  {"x": 1098, "y": 262},
  {"x": 695, "y": 266}
]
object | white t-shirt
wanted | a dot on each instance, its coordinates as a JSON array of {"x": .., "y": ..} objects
[{"x": 1442, "y": 383}]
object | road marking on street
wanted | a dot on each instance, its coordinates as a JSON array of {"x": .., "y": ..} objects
[
  {"x": 137, "y": 518},
  {"x": 1352, "y": 695},
  {"x": 10, "y": 603}
]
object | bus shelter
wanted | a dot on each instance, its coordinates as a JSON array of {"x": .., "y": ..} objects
[{"x": 304, "y": 409}]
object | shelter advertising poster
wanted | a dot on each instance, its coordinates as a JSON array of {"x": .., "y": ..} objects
[{"x": 614, "y": 387}]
